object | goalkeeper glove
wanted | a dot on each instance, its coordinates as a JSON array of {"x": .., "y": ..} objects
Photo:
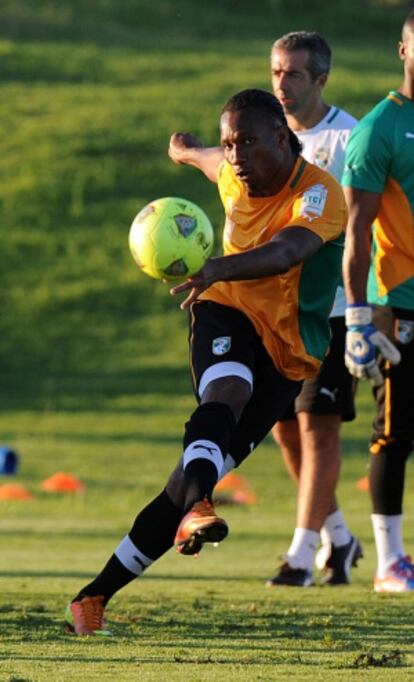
[{"x": 363, "y": 340}]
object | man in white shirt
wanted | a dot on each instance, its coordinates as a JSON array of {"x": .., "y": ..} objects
[{"x": 309, "y": 437}]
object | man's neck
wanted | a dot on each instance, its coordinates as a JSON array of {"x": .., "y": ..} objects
[
  {"x": 305, "y": 120},
  {"x": 407, "y": 88},
  {"x": 278, "y": 181}
]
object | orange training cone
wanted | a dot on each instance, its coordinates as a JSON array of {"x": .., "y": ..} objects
[
  {"x": 232, "y": 481},
  {"x": 234, "y": 489},
  {"x": 363, "y": 484},
  {"x": 245, "y": 497},
  {"x": 15, "y": 491},
  {"x": 62, "y": 483}
]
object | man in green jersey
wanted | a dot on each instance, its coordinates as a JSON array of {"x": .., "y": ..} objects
[{"x": 379, "y": 282}]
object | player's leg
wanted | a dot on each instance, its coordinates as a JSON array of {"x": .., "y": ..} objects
[
  {"x": 340, "y": 550},
  {"x": 320, "y": 445},
  {"x": 391, "y": 446},
  {"x": 222, "y": 360},
  {"x": 287, "y": 436},
  {"x": 324, "y": 402},
  {"x": 223, "y": 389}
]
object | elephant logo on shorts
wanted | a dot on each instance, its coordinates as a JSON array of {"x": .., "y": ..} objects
[{"x": 221, "y": 345}]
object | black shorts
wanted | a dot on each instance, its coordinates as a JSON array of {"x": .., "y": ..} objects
[
  {"x": 332, "y": 390},
  {"x": 395, "y": 398},
  {"x": 224, "y": 342}
]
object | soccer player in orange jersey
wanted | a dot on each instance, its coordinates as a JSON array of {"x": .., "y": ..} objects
[{"x": 258, "y": 327}]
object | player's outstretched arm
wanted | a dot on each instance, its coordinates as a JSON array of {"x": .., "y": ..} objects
[
  {"x": 363, "y": 340},
  {"x": 287, "y": 249},
  {"x": 185, "y": 148}
]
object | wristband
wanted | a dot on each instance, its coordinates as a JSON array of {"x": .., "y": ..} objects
[{"x": 358, "y": 314}]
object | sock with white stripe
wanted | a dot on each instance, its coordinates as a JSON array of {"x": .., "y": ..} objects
[
  {"x": 207, "y": 436},
  {"x": 151, "y": 535}
]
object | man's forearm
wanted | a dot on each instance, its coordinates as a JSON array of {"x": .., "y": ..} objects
[
  {"x": 263, "y": 261},
  {"x": 363, "y": 207},
  {"x": 356, "y": 265}
]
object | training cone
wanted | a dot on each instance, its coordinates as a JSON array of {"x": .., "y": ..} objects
[
  {"x": 363, "y": 484},
  {"x": 15, "y": 491},
  {"x": 246, "y": 497},
  {"x": 234, "y": 489},
  {"x": 232, "y": 481},
  {"x": 62, "y": 483}
]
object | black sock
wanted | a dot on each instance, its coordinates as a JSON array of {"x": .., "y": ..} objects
[
  {"x": 386, "y": 477},
  {"x": 152, "y": 533},
  {"x": 213, "y": 422}
]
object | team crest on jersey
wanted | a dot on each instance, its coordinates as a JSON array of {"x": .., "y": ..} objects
[
  {"x": 322, "y": 157},
  {"x": 221, "y": 345},
  {"x": 313, "y": 202},
  {"x": 404, "y": 331}
]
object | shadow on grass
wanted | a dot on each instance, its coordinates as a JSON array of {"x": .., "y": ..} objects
[
  {"x": 207, "y": 630},
  {"x": 147, "y": 578},
  {"x": 91, "y": 392}
]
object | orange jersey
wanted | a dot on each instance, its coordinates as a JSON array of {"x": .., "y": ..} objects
[{"x": 290, "y": 311}]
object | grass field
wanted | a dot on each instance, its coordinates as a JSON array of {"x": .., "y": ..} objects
[{"x": 93, "y": 355}]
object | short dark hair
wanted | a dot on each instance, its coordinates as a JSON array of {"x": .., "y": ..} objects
[
  {"x": 320, "y": 54},
  {"x": 265, "y": 102}
]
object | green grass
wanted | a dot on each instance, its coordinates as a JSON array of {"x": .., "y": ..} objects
[
  {"x": 93, "y": 376},
  {"x": 210, "y": 618}
]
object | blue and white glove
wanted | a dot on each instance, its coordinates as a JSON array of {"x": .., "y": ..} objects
[{"x": 363, "y": 341}]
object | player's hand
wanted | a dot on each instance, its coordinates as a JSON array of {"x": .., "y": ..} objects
[
  {"x": 196, "y": 284},
  {"x": 363, "y": 342},
  {"x": 180, "y": 144}
]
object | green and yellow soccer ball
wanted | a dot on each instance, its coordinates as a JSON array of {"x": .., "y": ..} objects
[{"x": 171, "y": 238}]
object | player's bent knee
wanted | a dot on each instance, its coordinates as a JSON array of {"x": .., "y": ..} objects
[
  {"x": 225, "y": 370},
  {"x": 231, "y": 391}
]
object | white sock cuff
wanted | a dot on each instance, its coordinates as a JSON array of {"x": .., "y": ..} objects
[
  {"x": 204, "y": 449},
  {"x": 131, "y": 557},
  {"x": 224, "y": 369}
]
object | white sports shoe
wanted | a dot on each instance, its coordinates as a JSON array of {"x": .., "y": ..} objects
[{"x": 399, "y": 577}]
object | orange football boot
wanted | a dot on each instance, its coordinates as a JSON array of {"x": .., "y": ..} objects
[
  {"x": 86, "y": 617},
  {"x": 201, "y": 524}
]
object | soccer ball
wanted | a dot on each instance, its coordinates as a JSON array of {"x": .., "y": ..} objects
[{"x": 171, "y": 238}]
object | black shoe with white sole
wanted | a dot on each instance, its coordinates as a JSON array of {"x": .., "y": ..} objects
[
  {"x": 293, "y": 577},
  {"x": 339, "y": 564}
]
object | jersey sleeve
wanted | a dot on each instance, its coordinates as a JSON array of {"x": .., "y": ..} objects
[
  {"x": 321, "y": 208},
  {"x": 368, "y": 155}
]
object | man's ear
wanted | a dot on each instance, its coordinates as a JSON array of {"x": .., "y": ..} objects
[
  {"x": 283, "y": 133},
  {"x": 322, "y": 79},
  {"x": 402, "y": 50}
]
